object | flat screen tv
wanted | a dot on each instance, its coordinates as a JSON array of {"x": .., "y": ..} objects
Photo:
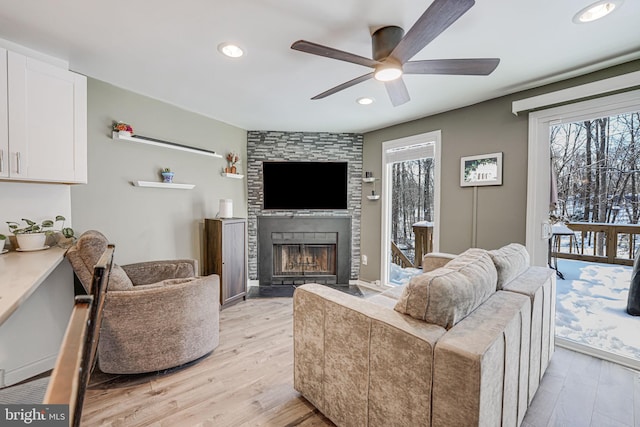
[{"x": 305, "y": 185}]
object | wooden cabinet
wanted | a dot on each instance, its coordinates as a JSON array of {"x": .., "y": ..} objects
[
  {"x": 225, "y": 254},
  {"x": 43, "y": 121}
]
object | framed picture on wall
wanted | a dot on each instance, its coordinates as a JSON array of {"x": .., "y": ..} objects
[{"x": 484, "y": 169}]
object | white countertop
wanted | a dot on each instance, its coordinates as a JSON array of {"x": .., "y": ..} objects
[{"x": 20, "y": 275}]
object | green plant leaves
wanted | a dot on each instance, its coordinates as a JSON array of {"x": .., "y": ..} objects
[{"x": 33, "y": 227}]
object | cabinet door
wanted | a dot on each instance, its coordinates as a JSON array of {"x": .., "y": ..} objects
[
  {"x": 47, "y": 121},
  {"x": 234, "y": 273},
  {"x": 4, "y": 123}
]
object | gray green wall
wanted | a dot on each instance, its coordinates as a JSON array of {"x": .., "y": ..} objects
[
  {"x": 153, "y": 223},
  {"x": 478, "y": 129}
]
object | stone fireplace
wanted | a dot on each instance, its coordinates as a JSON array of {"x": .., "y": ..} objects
[
  {"x": 298, "y": 250},
  {"x": 265, "y": 146}
]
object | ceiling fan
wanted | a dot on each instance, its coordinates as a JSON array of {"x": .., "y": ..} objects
[{"x": 392, "y": 50}]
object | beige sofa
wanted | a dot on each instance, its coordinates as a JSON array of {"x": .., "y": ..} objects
[{"x": 464, "y": 344}]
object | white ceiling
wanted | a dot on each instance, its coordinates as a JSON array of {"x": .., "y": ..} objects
[{"x": 167, "y": 50}]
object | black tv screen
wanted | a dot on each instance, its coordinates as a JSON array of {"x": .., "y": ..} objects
[{"x": 305, "y": 185}]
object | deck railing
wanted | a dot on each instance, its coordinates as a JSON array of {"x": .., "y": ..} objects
[
  {"x": 399, "y": 258},
  {"x": 598, "y": 242},
  {"x": 423, "y": 232}
]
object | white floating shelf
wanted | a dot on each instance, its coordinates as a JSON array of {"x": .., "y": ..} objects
[
  {"x": 376, "y": 197},
  {"x": 369, "y": 179},
  {"x": 233, "y": 175},
  {"x": 163, "y": 185},
  {"x": 165, "y": 144}
]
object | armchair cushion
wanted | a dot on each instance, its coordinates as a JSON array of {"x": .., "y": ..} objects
[
  {"x": 143, "y": 273},
  {"x": 447, "y": 295}
]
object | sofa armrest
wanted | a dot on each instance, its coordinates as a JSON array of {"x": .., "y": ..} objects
[
  {"x": 481, "y": 365},
  {"x": 434, "y": 260},
  {"x": 143, "y": 273},
  {"x": 361, "y": 363},
  {"x": 142, "y": 329}
]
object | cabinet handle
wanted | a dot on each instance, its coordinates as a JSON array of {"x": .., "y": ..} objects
[
  {"x": 1, "y": 161},
  {"x": 18, "y": 163}
]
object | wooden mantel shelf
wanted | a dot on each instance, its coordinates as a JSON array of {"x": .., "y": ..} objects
[{"x": 125, "y": 136}]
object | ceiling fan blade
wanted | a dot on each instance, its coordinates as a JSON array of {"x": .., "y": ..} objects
[
  {"x": 437, "y": 18},
  {"x": 470, "y": 66},
  {"x": 344, "y": 85},
  {"x": 397, "y": 91},
  {"x": 329, "y": 52}
]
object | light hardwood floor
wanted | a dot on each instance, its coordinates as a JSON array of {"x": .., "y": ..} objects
[{"x": 248, "y": 381}]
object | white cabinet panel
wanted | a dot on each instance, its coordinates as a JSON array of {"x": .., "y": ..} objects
[
  {"x": 47, "y": 122},
  {"x": 4, "y": 121}
]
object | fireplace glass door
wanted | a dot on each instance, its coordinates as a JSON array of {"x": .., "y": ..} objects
[{"x": 304, "y": 259}]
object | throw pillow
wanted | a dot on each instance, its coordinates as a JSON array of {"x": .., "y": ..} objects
[
  {"x": 90, "y": 247},
  {"x": 448, "y": 294},
  {"x": 118, "y": 280},
  {"x": 510, "y": 261}
]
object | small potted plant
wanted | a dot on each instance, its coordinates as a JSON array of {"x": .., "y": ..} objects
[
  {"x": 33, "y": 236},
  {"x": 3, "y": 241},
  {"x": 233, "y": 158},
  {"x": 167, "y": 175},
  {"x": 122, "y": 128}
]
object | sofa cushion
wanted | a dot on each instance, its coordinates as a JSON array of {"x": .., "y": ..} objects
[
  {"x": 434, "y": 260},
  {"x": 510, "y": 261},
  {"x": 447, "y": 295}
]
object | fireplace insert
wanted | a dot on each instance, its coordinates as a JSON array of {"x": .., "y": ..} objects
[{"x": 294, "y": 251}]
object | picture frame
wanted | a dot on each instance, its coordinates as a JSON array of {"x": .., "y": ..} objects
[{"x": 481, "y": 170}]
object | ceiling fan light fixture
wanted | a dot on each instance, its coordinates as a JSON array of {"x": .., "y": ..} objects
[
  {"x": 387, "y": 72},
  {"x": 596, "y": 11},
  {"x": 231, "y": 50}
]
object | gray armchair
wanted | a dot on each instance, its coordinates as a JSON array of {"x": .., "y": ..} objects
[{"x": 157, "y": 315}]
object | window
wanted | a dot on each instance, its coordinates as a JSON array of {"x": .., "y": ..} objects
[{"x": 411, "y": 198}]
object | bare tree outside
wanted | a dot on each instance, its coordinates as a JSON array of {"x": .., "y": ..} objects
[
  {"x": 597, "y": 164},
  {"x": 412, "y": 200}
]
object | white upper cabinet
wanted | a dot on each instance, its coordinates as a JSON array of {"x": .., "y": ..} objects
[
  {"x": 4, "y": 118},
  {"x": 47, "y": 121}
]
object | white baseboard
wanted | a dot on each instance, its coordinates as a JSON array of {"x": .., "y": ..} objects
[
  {"x": 597, "y": 353},
  {"x": 31, "y": 370}
]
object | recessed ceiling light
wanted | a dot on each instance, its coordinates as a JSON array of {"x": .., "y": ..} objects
[
  {"x": 231, "y": 50},
  {"x": 365, "y": 101},
  {"x": 596, "y": 11}
]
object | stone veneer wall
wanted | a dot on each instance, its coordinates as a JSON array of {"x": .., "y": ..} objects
[{"x": 303, "y": 146}]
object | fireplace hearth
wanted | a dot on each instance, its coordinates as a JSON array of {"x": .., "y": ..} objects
[{"x": 298, "y": 250}]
